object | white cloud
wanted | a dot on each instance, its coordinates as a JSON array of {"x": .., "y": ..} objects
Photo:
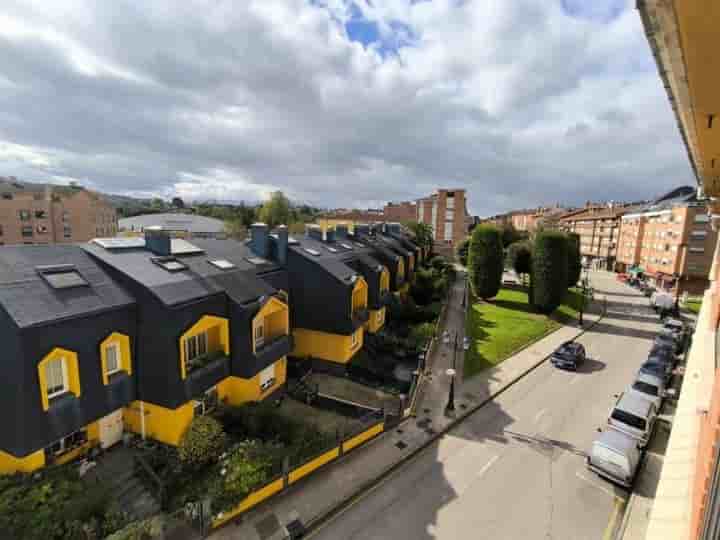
[{"x": 523, "y": 102}]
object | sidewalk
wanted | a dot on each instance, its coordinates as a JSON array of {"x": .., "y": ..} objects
[{"x": 312, "y": 499}]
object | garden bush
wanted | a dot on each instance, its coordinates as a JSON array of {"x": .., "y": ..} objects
[
  {"x": 519, "y": 255},
  {"x": 202, "y": 443},
  {"x": 549, "y": 271},
  {"x": 574, "y": 260},
  {"x": 485, "y": 261}
]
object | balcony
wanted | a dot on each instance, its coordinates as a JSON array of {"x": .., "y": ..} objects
[
  {"x": 206, "y": 372},
  {"x": 273, "y": 349}
]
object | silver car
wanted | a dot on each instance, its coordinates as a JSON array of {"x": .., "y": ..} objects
[
  {"x": 634, "y": 416},
  {"x": 650, "y": 387},
  {"x": 614, "y": 455}
]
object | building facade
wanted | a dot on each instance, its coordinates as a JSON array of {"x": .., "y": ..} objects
[
  {"x": 400, "y": 212},
  {"x": 599, "y": 232},
  {"x": 49, "y": 214},
  {"x": 446, "y": 212}
]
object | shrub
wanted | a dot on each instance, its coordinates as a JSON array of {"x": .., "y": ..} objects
[
  {"x": 462, "y": 251},
  {"x": 202, "y": 443},
  {"x": 574, "y": 261},
  {"x": 549, "y": 271},
  {"x": 423, "y": 287},
  {"x": 485, "y": 261},
  {"x": 421, "y": 334},
  {"x": 519, "y": 255}
]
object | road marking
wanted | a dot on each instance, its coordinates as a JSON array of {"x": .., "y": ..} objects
[
  {"x": 614, "y": 516},
  {"x": 593, "y": 484},
  {"x": 539, "y": 415},
  {"x": 487, "y": 466}
]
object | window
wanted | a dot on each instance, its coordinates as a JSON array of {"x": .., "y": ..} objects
[
  {"x": 701, "y": 218},
  {"x": 698, "y": 234},
  {"x": 267, "y": 378},
  {"x": 64, "y": 279},
  {"x": 380, "y": 317},
  {"x": 27, "y": 230},
  {"x": 112, "y": 358},
  {"x": 42, "y": 229},
  {"x": 222, "y": 264},
  {"x": 195, "y": 347},
  {"x": 259, "y": 335},
  {"x": 630, "y": 419},
  {"x": 67, "y": 231},
  {"x": 353, "y": 339},
  {"x": 7, "y": 196},
  {"x": 73, "y": 440},
  {"x": 65, "y": 215},
  {"x": 450, "y": 202},
  {"x": 24, "y": 215},
  {"x": 449, "y": 215},
  {"x": 697, "y": 250},
  {"x": 448, "y": 231},
  {"x": 40, "y": 214},
  {"x": 56, "y": 379}
]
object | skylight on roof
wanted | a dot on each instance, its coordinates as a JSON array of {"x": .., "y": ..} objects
[
  {"x": 314, "y": 252},
  {"x": 170, "y": 264},
  {"x": 346, "y": 246},
  {"x": 358, "y": 244},
  {"x": 292, "y": 241},
  {"x": 63, "y": 276},
  {"x": 222, "y": 264},
  {"x": 120, "y": 243},
  {"x": 178, "y": 246},
  {"x": 331, "y": 249},
  {"x": 256, "y": 260}
]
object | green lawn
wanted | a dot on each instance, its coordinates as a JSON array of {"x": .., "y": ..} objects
[
  {"x": 499, "y": 328},
  {"x": 693, "y": 306}
]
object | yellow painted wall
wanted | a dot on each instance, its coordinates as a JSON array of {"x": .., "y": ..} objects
[
  {"x": 237, "y": 391},
  {"x": 310, "y": 466},
  {"x": 374, "y": 325},
  {"x": 93, "y": 439},
  {"x": 73, "y": 373},
  {"x": 251, "y": 500},
  {"x": 401, "y": 269},
  {"x": 364, "y": 436},
  {"x": 10, "y": 464},
  {"x": 275, "y": 318},
  {"x": 359, "y": 295},
  {"x": 125, "y": 355},
  {"x": 332, "y": 347},
  {"x": 161, "y": 424},
  {"x": 218, "y": 330},
  {"x": 384, "y": 280}
]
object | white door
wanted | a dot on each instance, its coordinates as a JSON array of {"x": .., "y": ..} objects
[{"x": 111, "y": 429}]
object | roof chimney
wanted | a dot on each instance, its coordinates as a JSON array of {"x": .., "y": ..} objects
[
  {"x": 282, "y": 244},
  {"x": 259, "y": 239},
  {"x": 341, "y": 231},
  {"x": 330, "y": 235},
  {"x": 314, "y": 231},
  {"x": 158, "y": 241}
]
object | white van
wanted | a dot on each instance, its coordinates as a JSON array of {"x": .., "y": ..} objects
[
  {"x": 615, "y": 456},
  {"x": 634, "y": 416}
]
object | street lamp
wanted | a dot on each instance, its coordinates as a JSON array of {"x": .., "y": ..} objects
[{"x": 451, "y": 398}]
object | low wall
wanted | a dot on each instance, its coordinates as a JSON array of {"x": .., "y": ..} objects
[{"x": 293, "y": 475}]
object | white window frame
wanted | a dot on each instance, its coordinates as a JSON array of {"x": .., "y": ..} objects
[
  {"x": 266, "y": 378},
  {"x": 353, "y": 339},
  {"x": 65, "y": 387},
  {"x": 259, "y": 340},
  {"x": 193, "y": 345},
  {"x": 115, "y": 347},
  {"x": 380, "y": 317}
]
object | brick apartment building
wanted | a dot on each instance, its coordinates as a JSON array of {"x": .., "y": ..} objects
[
  {"x": 671, "y": 241},
  {"x": 446, "y": 212},
  {"x": 400, "y": 212},
  {"x": 599, "y": 231},
  {"x": 50, "y": 214}
]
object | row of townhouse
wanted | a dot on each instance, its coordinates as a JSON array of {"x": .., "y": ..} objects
[{"x": 143, "y": 334}]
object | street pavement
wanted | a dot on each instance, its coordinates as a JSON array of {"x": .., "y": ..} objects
[{"x": 515, "y": 468}]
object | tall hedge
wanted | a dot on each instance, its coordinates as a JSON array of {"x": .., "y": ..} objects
[
  {"x": 485, "y": 261},
  {"x": 574, "y": 262},
  {"x": 519, "y": 254},
  {"x": 549, "y": 270}
]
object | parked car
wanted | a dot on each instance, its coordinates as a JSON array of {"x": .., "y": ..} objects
[
  {"x": 668, "y": 339},
  {"x": 466, "y": 343},
  {"x": 569, "y": 355},
  {"x": 614, "y": 455},
  {"x": 650, "y": 387},
  {"x": 661, "y": 300},
  {"x": 675, "y": 327},
  {"x": 649, "y": 291},
  {"x": 657, "y": 366},
  {"x": 634, "y": 416}
]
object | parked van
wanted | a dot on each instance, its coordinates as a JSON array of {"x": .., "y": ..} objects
[
  {"x": 650, "y": 387},
  {"x": 634, "y": 416},
  {"x": 614, "y": 455}
]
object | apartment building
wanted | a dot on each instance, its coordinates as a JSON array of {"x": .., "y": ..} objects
[
  {"x": 446, "y": 212},
  {"x": 599, "y": 232},
  {"x": 51, "y": 214},
  {"x": 402, "y": 211},
  {"x": 523, "y": 220}
]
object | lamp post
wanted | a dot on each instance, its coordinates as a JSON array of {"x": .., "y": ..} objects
[{"x": 451, "y": 398}]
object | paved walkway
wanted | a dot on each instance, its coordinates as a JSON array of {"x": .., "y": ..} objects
[{"x": 320, "y": 493}]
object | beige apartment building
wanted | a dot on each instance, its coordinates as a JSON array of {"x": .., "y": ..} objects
[
  {"x": 599, "y": 231},
  {"x": 50, "y": 214}
]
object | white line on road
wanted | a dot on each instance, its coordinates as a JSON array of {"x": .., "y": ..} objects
[
  {"x": 593, "y": 484},
  {"x": 487, "y": 466},
  {"x": 539, "y": 415}
]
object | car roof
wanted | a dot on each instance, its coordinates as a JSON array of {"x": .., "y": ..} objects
[
  {"x": 649, "y": 379},
  {"x": 634, "y": 404},
  {"x": 673, "y": 322},
  {"x": 616, "y": 440}
]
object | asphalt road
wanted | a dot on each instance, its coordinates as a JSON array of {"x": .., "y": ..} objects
[{"x": 515, "y": 469}]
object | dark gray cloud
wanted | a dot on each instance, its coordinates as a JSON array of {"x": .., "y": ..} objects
[{"x": 522, "y": 103}]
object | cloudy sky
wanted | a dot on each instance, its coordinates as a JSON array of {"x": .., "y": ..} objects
[{"x": 338, "y": 103}]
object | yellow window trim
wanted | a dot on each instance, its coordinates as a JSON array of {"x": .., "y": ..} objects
[
  {"x": 205, "y": 323},
  {"x": 123, "y": 342},
  {"x": 384, "y": 280},
  {"x": 72, "y": 369},
  {"x": 359, "y": 295},
  {"x": 273, "y": 305}
]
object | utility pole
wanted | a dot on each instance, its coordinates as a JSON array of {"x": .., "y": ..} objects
[{"x": 451, "y": 373}]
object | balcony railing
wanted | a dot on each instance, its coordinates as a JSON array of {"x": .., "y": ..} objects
[
  {"x": 360, "y": 316},
  {"x": 273, "y": 349},
  {"x": 214, "y": 369}
]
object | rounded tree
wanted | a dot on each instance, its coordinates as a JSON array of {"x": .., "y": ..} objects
[
  {"x": 519, "y": 255},
  {"x": 574, "y": 262},
  {"x": 549, "y": 270},
  {"x": 485, "y": 261},
  {"x": 202, "y": 443}
]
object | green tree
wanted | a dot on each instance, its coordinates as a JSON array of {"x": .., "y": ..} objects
[
  {"x": 519, "y": 256},
  {"x": 202, "y": 443},
  {"x": 462, "y": 251},
  {"x": 422, "y": 289},
  {"x": 485, "y": 261},
  {"x": 574, "y": 260},
  {"x": 422, "y": 232},
  {"x": 177, "y": 202},
  {"x": 276, "y": 211},
  {"x": 421, "y": 334},
  {"x": 549, "y": 270},
  {"x": 510, "y": 235}
]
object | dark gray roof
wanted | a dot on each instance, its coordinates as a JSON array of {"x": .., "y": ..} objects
[
  {"x": 30, "y": 300},
  {"x": 201, "y": 278},
  {"x": 176, "y": 221}
]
